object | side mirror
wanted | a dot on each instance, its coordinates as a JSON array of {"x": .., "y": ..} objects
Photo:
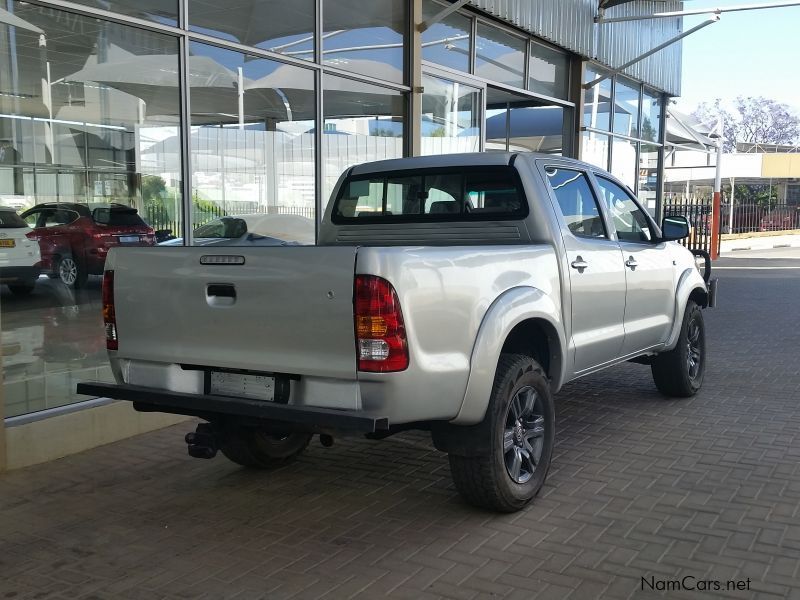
[{"x": 674, "y": 227}]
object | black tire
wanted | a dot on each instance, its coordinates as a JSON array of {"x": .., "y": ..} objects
[
  {"x": 486, "y": 480},
  {"x": 257, "y": 449},
  {"x": 22, "y": 288},
  {"x": 71, "y": 272},
  {"x": 679, "y": 372}
]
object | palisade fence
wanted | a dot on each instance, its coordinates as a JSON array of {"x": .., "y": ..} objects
[
  {"x": 159, "y": 217},
  {"x": 747, "y": 218}
]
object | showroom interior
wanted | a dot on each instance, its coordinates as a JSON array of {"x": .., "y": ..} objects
[{"x": 191, "y": 111}]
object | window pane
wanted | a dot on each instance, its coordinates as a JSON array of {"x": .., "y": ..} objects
[
  {"x": 577, "y": 202},
  {"x": 648, "y": 176},
  {"x": 252, "y": 145},
  {"x": 651, "y": 117},
  {"x": 549, "y": 72},
  {"x": 160, "y": 11},
  {"x": 629, "y": 220},
  {"x": 83, "y": 114},
  {"x": 623, "y": 162},
  {"x": 626, "y": 109},
  {"x": 440, "y": 194},
  {"x": 363, "y": 123},
  {"x": 594, "y": 149},
  {"x": 446, "y": 42},
  {"x": 450, "y": 117},
  {"x": 597, "y": 101},
  {"x": 500, "y": 56},
  {"x": 365, "y": 37},
  {"x": 254, "y": 23},
  {"x": 537, "y": 129}
]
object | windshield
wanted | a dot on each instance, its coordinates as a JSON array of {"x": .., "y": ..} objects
[
  {"x": 224, "y": 227},
  {"x": 10, "y": 219},
  {"x": 440, "y": 194}
]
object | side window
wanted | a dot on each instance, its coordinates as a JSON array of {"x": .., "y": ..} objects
[
  {"x": 59, "y": 216},
  {"x": 577, "y": 202},
  {"x": 629, "y": 220},
  {"x": 32, "y": 219}
]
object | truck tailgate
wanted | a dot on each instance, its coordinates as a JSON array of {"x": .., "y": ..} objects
[{"x": 285, "y": 310}]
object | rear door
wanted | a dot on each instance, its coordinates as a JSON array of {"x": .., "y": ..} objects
[
  {"x": 596, "y": 272},
  {"x": 649, "y": 270},
  {"x": 282, "y": 309}
]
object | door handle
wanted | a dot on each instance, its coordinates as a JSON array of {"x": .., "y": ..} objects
[
  {"x": 631, "y": 263},
  {"x": 579, "y": 264}
]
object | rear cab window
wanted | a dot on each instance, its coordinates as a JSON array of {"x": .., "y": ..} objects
[{"x": 436, "y": 194}]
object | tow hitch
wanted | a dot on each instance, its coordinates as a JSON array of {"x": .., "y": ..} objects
[{"x": 203, "y": 442}]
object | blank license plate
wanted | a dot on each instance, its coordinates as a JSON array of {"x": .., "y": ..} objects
[
  {"x": 129, "y": 239},
  {"x": 256, "y": 387},
  {"x": 7, "y": 243}
]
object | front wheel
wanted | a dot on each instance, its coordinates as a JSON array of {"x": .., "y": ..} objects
[
  {"x": 520, "y": 425},
  {"x": 255, "y": 448},
  {"x": 679, "y": 372}
]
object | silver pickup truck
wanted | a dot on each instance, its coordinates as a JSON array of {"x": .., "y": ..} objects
[{"x": 454, "y": 294}]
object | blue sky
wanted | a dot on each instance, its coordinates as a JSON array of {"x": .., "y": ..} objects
[{"x": 748, "y": 53}]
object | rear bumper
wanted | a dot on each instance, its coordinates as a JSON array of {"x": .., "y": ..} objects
[
  {"x": 209, "y": 407},
  {"x": 11, "y": 274}
]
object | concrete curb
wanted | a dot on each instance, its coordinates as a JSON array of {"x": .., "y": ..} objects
[{"x": 760, "y": 243}]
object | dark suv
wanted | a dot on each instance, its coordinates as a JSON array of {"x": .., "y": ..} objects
[{"x": 74, "y": 239}]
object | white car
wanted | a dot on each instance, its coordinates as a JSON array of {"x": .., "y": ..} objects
[{"x": 20, "y": 258}]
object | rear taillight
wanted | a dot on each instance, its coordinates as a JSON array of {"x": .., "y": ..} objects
[
  {"x": 380, "y": 332},
  {"x": 109, "y": 316}
]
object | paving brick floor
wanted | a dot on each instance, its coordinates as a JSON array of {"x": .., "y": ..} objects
[{"x": 641, "y": 486}]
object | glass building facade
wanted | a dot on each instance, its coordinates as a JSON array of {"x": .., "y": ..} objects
[{"x": 176, "y": 122}]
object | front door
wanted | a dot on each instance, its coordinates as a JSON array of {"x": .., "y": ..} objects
[
  {"x": 596, "y": 270},
  {"x": 650, "y": 274}
]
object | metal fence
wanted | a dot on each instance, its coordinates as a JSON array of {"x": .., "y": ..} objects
[
  {"x": 697, "y": 211},
  {"x": 158, "y": 217}
]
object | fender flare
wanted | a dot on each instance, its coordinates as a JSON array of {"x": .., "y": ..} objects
[
  {"x": 507, "y": 311},
  {"x": 689, "y": 281}
]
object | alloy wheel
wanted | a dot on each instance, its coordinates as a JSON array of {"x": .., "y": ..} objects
[
  {"x": 68, "y": 271},
  {"x": 523, "y": 435},
  {"x": 694, "y": 354}
]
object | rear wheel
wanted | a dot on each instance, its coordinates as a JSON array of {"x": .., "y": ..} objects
[
  {"x": 71, "y": 273},
  {"x": 22, "y": 288},
  {"x": 520, "y": 424},
  {"x": 256, "y": 448},
  {"x": 679, "y": 372}
]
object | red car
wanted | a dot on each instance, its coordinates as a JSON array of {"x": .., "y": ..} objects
[
  {"x": 74, "y": 239},
  {"x": 781, "y": 219}
]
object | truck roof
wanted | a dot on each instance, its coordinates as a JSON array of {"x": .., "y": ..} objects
[{"x": 454, "y": 160}]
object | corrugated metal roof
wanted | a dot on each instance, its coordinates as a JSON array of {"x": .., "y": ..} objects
[{"x": 570, "y": 24}]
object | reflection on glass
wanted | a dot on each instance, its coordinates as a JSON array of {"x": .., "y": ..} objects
[
  {"x": 450, "y": 117},
  {"x": 537, "y": 129},
  {"x": 594, "y": 149},
  {"x": 256, "y": 23},
  {"x": 648, "y": 175},
  {"x": 363, "y": 123},
  {"x": 252, "y": 142},
  {"x": 160, "y": 11},
  {"x": 365, "y": 37},
  {"x": 446, "y": 42},
  {"x": 500, "y": 56},
  {"x": 623, "y": 162},
  {"x": 651, "y": 116},
  {"x": 626, "y": 108},
  {"x": 496, "y": 129},
  {"x": 549, "y": 72},
  {"x": 88, "y": 103},
  {"x": 596, "y": 102}
]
